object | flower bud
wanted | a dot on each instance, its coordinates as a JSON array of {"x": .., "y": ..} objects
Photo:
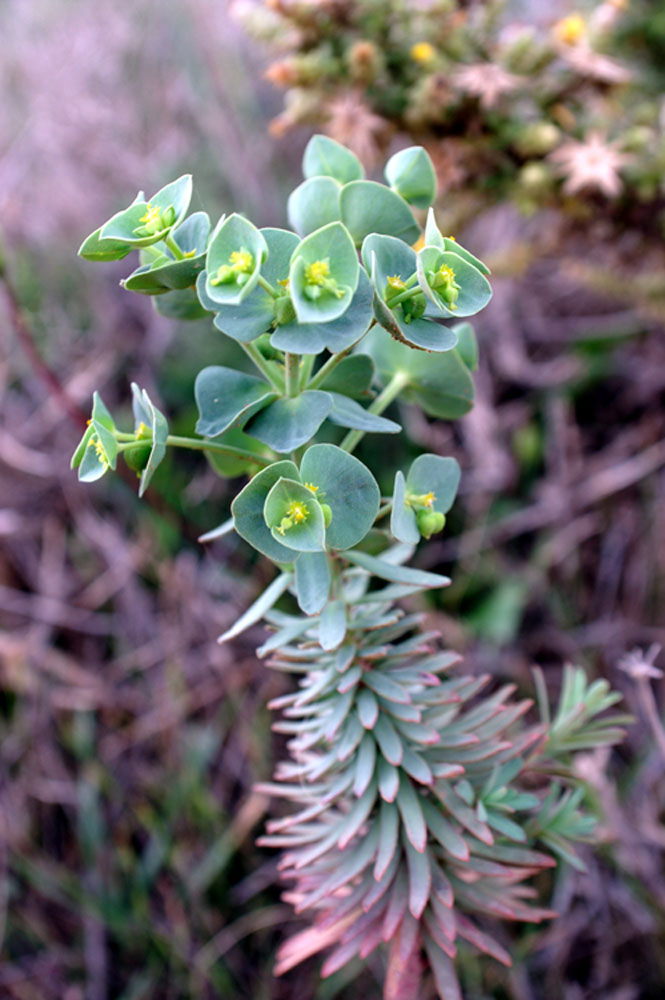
[
  {"x": 284, "y": 310},
  {"x": 537, "y": 138},
  {"x": 365, "y": 62},
  {"x": 327, "y": 514},
  {"x": 430, "y": 522},
  {"x": 535, "y": 178},
  {"x": 137, "y": 457}
]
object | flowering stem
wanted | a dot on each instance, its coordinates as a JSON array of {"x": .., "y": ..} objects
[
  {"x": 267, "y": 287},
  {"x": 409, "y": 293},
  {"x": 174, "y": 248},
  {"x": 292, "y": 364},
  {"x": 390, "y": 392},
  {"x": 264, "y": 367},
  {"x": 221, "y": 449},
  {"x": 332, "y": 362}
]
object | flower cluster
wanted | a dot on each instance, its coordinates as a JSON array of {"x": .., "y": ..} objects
[
  {"x": 419, "y": 809},
  {"x": 506, "y": 108}
]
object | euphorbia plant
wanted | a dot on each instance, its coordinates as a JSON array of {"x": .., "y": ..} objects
[{"x": 418, "y": 809}]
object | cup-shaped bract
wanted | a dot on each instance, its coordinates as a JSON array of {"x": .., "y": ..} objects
[
  {"x": 148, "y": 221},
  {"x": 256, "y": 315},
  {"x": 236, "y": 253},
  {"x": 162, "y": 272},
  {"x": 434, "y": 238},
  {"x": 399, "y": 303},
  {"x": 97, "y": 451},
  {"x": 247, "y": 511},
  {"x": 410, "y": 173},
  {"x": 429, "y": 488},
  {"x": 323, "y": 274},
  {"x": 337, "y": 334},
  {"x": 324, "y": 157},
  {"x": 148, "y": 417},
  {"x": 456, "y": 287},
  {"x": 347, "y": 486},
  {"x": 294, "y": 516}
]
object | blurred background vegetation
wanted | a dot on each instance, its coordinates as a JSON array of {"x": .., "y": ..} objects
[{"x": 129, "y": 741}]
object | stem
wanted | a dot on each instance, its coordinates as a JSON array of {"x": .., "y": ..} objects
[
  {"x": 222, "y": 449},
  {"x": 409, "y": 293},
  {"x": 292, "y": 364},
  {"x": 174, "y": 248},
  {"x": 267, "y": 287},
  {"x": 332, "y": 362},
  {"x": 327, "y": 368},
  {"x": 264, "y": 366},
  {"x": 382, "y": 401},
  {"x": 306, "y": 371},
  {"x": 386, "y": 509}
]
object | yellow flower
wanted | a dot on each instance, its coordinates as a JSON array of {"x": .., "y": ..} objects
[
  {"x": 423, "y": 53},
  {"x": 396, "y": 282},
  {"x": 570, "y": 30},
  {"x": 242, "y": 261},
  {"x": 311, "y": 487},
  {"x": 151, "y": 216},
  {"x": 316, "y": 273}
]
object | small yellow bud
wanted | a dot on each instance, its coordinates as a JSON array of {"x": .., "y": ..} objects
[
  {"x": 423, "y": 53},
  {"x": 311, "y": 487},
  {"x": 570, "y": 30}
]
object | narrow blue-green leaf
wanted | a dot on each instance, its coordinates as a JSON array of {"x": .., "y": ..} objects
[
  {"x": 365, "y": 764},
  {"x": 388, "y": 834},
  {"x": 332, "y": 625},
  {"x": 396, "y": 574},
  {"x": 312, "y": 581},
  {"x": 348, "y": 413},
  {"x": 408, "y": 803},
  {"x": 263, "y": 603}
]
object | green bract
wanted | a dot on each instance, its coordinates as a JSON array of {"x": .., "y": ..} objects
[
  {"x": 393, "y": 266},
  {"x": 411, "y": 174},
  {"x": 146, "y": 221},
  {"x": 324, "y": 157},
  {"x": 294, "y": 516},
  {"x": 454, "y": 285},
  {"x": 151, "y": 424},
  {"x": 314, "y": 204},
  {"x": 323, "y": 274},
  {"x": 97, "y": 450},
  {"x": 428, "y": 489},
  {"x": 418, "y": 804},
  {"x": 236, "y": 252},
  {"x": 368, "y": 207},
  {"x": 161, "y": 272}
]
